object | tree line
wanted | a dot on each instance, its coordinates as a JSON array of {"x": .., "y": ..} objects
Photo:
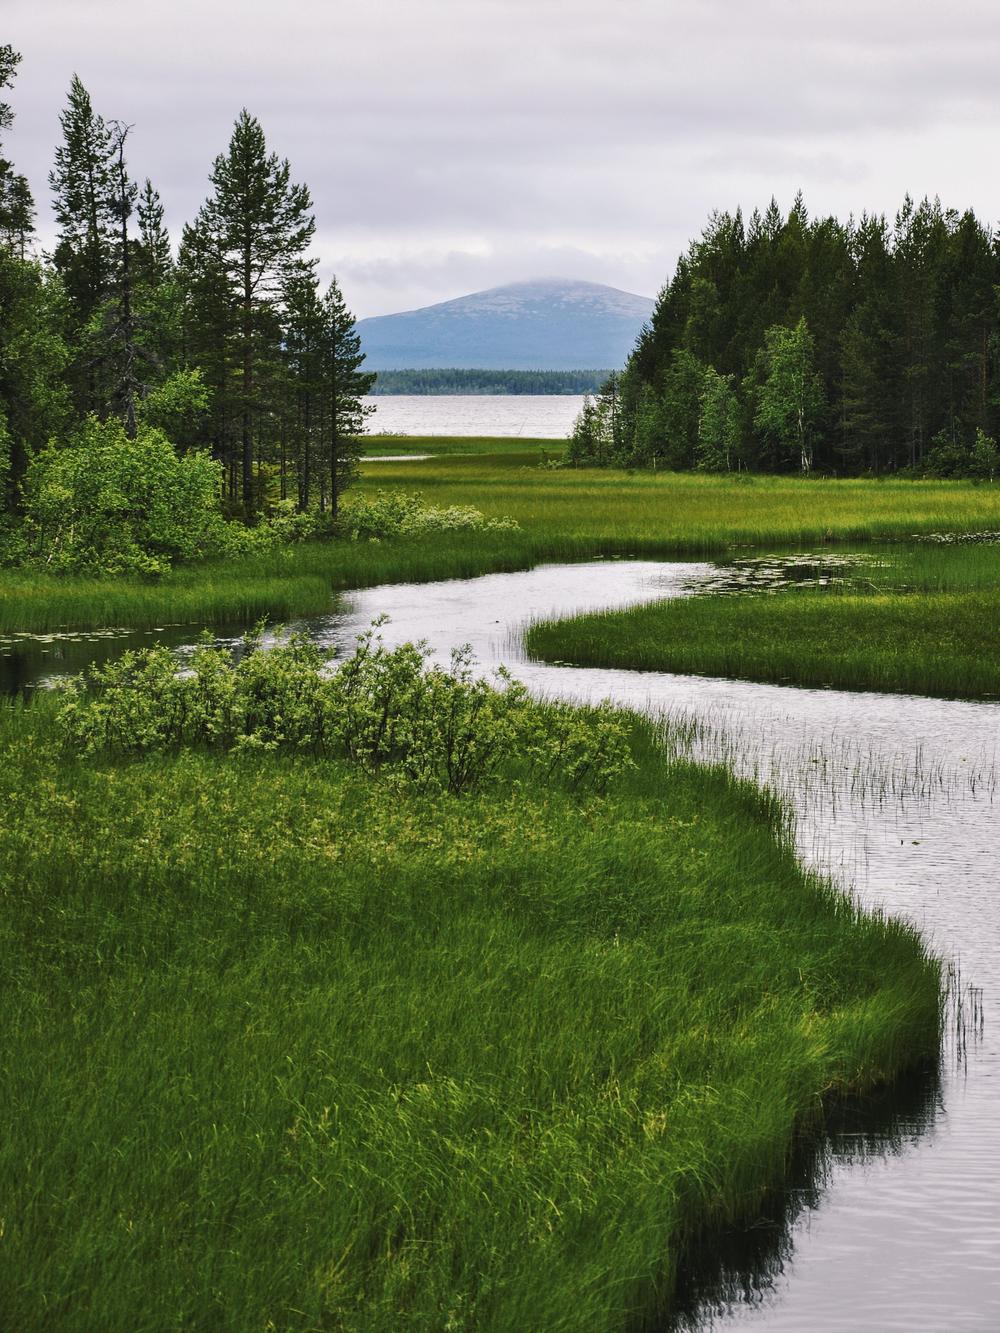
[
  {"x": 451, "y": 380},
  {"x": 228, "y": 345},
  {"x": 788, "y": 343}
]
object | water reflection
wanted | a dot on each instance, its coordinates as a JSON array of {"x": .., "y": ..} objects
[{"x": 736, "y": 1269}]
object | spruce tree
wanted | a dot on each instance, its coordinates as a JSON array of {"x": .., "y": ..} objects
[
  {"x": 251, "y": 233},
  {"x": 305, "y": 363},
  {"x": 17, "y": 208},
  {"x": 83, "y": 203},
  {"x": 345, "y": 384},
  {"x": 153, "y": 255}
]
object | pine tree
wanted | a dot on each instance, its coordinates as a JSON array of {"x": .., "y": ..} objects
[
  {"x": 344, "y": 384},
  {"x": 251, "y": 232},
  {"x": 82, "y": 184},
  {"x": 17, "y": 208}
]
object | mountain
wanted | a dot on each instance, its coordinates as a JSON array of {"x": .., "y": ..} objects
[{"x": 551, "y": 324}]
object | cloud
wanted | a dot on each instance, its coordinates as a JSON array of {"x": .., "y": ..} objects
[{"x": 449, "y": 141}]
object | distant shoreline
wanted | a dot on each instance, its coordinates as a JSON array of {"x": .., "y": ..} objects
[{"x": 486, "y": 382}]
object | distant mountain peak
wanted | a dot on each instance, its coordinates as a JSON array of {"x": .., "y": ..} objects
[{"x": 536, "y": 324}]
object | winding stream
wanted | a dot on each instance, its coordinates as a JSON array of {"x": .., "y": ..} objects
[{"x": 895, "y": 1223}]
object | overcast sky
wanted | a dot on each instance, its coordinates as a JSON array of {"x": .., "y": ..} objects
[{"x": 452, "y": 145}]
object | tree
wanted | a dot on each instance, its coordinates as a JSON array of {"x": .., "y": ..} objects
[
  {"x": 345, "y": 384},
  {"x": 680, "y": 400},
  {"x": 305, "y": 364},
  {"x": 718, "y": 424},
  {"x": 34, "y": 401},
  {"x": 83, "y": 189},
  {"x": 250, "y": 234},
  {"x": 788, "y": 393},
  {"x": 153, "y": 255}
]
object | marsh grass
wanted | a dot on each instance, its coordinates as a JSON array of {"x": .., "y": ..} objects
[
  {"x": 565, "y": 514},
  {"x": 289, "y": 1046},
  {"x": 925, "y": 621},
  {"x": 441, "y": 446},
  {"x": 695, "y": 513}
]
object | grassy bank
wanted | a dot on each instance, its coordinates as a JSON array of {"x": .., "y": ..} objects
[
  {"x": 285, "y": 1046},
  {"x": 443, "y": 446},
  {"x": 296, "y": 581},
  {"x": 565, "y": 515},
  {"x": 694, "y": 513},
  {"x": 926, "y": 622}
]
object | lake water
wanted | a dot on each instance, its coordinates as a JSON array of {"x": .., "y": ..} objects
[
  {"x": 893, "y": 1223},
  {"x": 533, "y": 416}
]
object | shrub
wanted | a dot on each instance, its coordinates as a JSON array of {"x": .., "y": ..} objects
[
  {"x": 383, "y": 709},
  {"x": 396, "y": 514},
  {"x": 105, "y": 503}
]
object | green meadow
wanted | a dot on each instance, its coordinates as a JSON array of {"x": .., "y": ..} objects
[
  {"x": 565, "y": 514},
  {"x": 288, "y": 1046}
]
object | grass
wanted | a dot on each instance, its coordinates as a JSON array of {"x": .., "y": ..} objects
[
  {"x": 565, "y": 514},
  {"x": 691, "y": 513},
  {"x": 443, "y": 446},
  {"x": 296, "y": 581},
  {"x": 926, "y": 622},
  {"x": 289, "y": 1047}
]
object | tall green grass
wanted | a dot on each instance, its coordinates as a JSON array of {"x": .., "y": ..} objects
[
  {"x": 565, "y": 514},
  {"x": 297, "y": 581},
  {"x": 695, "y": 513},
  {"x": 289, "y": 1047},
  {"x": 923, "y": 622}
]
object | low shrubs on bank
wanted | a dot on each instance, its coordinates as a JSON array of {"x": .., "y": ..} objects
[{"x": 381, "y": 709}]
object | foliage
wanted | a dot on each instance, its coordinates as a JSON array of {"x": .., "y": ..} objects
[
  {"x": 398, "y": 514},
  {"x": 595, "y": 439},
  {"x": 902, "y": 318},
  {"x": 381, "y": 709},
  {"x": 788, "y": 393},
  {"x": 979, "y": 461},
  {"x": 177, "y": 406},
  {"x": 105, "y": 503},
  {"x": 718, "y": 423}
]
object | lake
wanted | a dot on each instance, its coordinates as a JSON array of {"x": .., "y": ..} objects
[{"x": 533, "y": 416}]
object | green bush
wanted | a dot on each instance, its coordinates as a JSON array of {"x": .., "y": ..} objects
[
  {"x": 954, "y": 459},
  {"x": 396, "y": 514},
  {"x": 106, "y": 504},
  {"x": 383, "y": 709}
]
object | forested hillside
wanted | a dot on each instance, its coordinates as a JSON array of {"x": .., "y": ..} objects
[
  {"x": 790, "y": 343},
  {"x": 489, "y": 381}
]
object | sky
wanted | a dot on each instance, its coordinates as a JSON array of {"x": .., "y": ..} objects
[{"x": 453, "y": 145}]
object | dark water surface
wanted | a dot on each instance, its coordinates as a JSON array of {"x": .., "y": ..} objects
[{"x": 893, "y": 1221}]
